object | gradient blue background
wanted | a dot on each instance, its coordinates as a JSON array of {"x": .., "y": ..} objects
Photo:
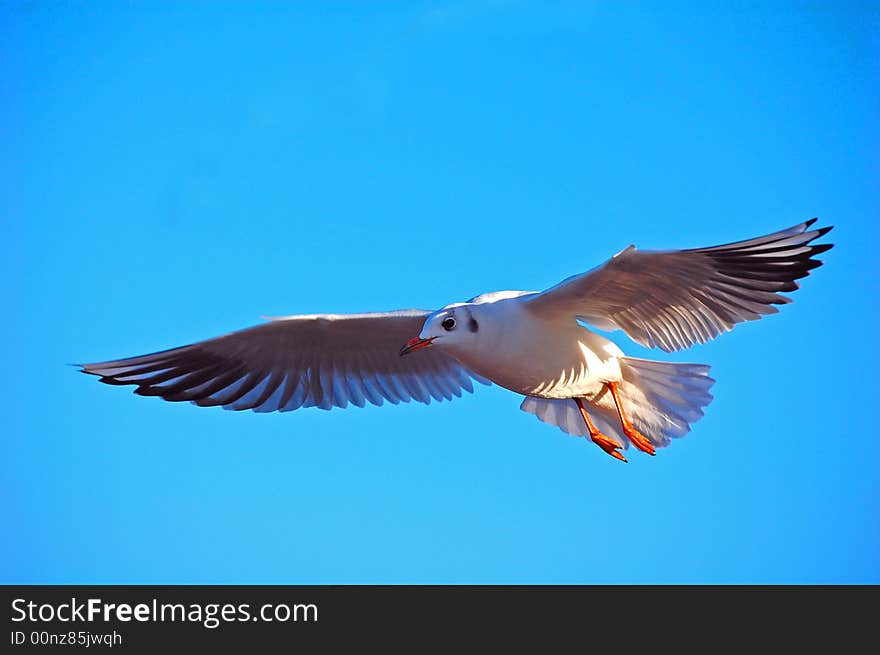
[{"x": 170, "y": 173}]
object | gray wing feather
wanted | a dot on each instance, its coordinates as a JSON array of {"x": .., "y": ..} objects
[
  {"x": 675, "y": 299},
  {"x": 323, "y": 361}
]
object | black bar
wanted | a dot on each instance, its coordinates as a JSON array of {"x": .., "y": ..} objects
[{"x": 247, "y": 617}]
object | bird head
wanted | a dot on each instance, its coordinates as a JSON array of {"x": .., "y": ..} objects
[{"x": 450, "y": 327}]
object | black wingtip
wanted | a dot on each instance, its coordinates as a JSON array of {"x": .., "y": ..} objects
[
  {"x": 148, "y": 391},
  {"x": 811, "y": 221},
  {"x": 109, "y": 380}
]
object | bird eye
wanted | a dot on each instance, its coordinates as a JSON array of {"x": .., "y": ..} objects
[{"x": 448, "y": 323}]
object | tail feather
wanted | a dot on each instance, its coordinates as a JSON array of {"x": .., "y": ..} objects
[
  {"x": 661, "y": 399},
  {"x": 666, "y": 398}
]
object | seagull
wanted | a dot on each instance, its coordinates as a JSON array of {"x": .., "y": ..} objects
[{"x": 534, "y": 343}]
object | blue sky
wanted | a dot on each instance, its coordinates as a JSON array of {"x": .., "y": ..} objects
[{"x": 171, "y": 172}]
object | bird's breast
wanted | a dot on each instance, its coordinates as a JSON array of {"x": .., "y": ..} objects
[{"x": 545, "y": 360}]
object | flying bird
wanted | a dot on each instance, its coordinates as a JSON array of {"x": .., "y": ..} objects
[{"x": 534, "y": 343}]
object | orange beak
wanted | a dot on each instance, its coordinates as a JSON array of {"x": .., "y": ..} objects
[{"x": 415, "y": 344}]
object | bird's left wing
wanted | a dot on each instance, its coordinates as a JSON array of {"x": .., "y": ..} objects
[
  {"x": 322, "y": 360},
  {"x": 674, "y": 299}
]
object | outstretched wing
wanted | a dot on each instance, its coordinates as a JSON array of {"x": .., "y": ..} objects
[
  {"x": 675, "y": 299},
  {"x": 300, "y": 361}
]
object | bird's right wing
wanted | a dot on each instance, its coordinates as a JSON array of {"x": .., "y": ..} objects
[
  {"x": 321, "y": 360},
  {"x": 677, "y": 298}
]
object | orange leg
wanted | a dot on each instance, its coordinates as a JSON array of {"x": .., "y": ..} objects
[
  {"x": 605, "y": 443},
  {"x": 639, "y": 440}
]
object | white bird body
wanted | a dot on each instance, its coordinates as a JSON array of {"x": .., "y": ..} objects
[
  {"x": 531, "y": 354},
  {"x": 532, "y": 343}
]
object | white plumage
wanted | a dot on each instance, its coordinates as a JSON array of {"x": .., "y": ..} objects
[
  {"x": 532, "y": 343},
  {"x": 661, "y": 399}
]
